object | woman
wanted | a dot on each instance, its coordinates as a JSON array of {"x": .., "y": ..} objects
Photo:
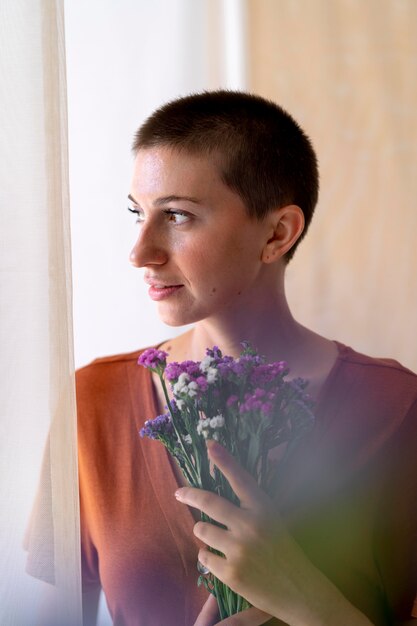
[{"x": 224, "y": 188}]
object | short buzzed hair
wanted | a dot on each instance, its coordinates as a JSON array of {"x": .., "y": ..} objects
[{"x": 263, "y": 154}]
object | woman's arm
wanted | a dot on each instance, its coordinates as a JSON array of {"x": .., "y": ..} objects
[
  {"x": 263, "y": 562},
  {"x": 209, "y": 616},
  {"x": 90, "y": 606}
]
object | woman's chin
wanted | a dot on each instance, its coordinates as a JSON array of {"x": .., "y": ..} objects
[
  {"x": 174, "y": 323},
  {"x": 176, "y": 318}
]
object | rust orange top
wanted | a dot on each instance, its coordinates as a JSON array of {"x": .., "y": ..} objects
[{"x": 349, "y": 493}]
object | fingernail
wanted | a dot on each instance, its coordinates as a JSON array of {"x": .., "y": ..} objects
[{"x": 178, "y": 494}]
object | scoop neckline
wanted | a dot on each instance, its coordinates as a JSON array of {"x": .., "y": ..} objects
[{"x": 342, "y": 350}]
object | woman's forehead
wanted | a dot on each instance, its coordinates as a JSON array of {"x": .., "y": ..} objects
[{"x": 171, "y": 170}]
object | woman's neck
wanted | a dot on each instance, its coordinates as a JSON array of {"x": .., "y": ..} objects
[
  {"x": 270, "y": 329},
  {"x": 271, "y": 334}
]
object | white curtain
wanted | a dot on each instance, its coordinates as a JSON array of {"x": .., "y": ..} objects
[
  {"x": 130, "y": 76},
  {"x": 37, "y": 392}
]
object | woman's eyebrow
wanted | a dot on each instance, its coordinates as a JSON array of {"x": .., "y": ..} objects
[{"x": 167, "y": 199}]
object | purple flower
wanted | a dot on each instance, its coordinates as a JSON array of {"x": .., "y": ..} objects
[
  {"x": 266, "y": 409},
  {"x": 268, "y": 372},
  {"x": 258, "y": 400},
  {"x": 160, "y": 426},
  {"x": 173, "y": 371},
  {"x": 153, "y": 359},
  {"x": 226, "y": 367},
  {"x": 202, "y": 383},
  {"x": 251, "y": 403},
  {"x": 231, "y": 400},
  {"x": 242, "y": 366},
  {"x": 215, "y": 352},
  {"x": 238, "y": 368},
  {"x": 192, "y": 368},
  {"x": 299, "y": 383}
]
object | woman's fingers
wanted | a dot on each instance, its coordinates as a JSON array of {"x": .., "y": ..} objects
[
  {"x": 215, "y": 563},
  {"x": 213, "y": 536},
  {"x": 242, "y": 483},
  {"x": 252, "y": 499},
  {"x": 213, "y": 505},
  {"x": 250, "y": 617},
  {"x": 209, "y": 614}
]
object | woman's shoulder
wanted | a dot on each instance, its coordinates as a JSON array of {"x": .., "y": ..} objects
[
  {"x": 110, "y": 360},
  {"x": 107, "y": 382},
  {"x": 105, "y": 366},
  {"x": 378, "y": 390},
  {"x": 382, "y": 370},
  {"x": 112, "y": 393}
]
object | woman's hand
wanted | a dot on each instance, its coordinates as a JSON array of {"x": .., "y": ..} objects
[
  {"x": 262, "y": 562},
  {"x": 209, "y": 616},
  {"x": 252, "y": 538}
]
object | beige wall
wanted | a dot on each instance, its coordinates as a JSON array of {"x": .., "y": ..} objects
[{"x": 347, "y": 71}]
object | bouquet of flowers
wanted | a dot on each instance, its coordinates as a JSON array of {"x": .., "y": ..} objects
[{"x": 246, "y": 405}]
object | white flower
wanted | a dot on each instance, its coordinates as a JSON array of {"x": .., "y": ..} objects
[
  {"x": 183, "y": 378},
  {"x": 188, "y": 439},
  {"x": 205, "y": 363},
  {"x": 211, "y": 375},
  {"x": 180, "y": 404},
  {"x": 191, "y": 389},
  {"x": 181, "y": 383},
  {"x": 203, "y": 425},
  {"x": 216, "y": 436},
  {"x": 177, "y": 388},
  {"x": 217, "y": 421}
]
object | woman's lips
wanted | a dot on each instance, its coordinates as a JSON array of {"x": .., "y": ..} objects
[{"x": 160, "y": 293}]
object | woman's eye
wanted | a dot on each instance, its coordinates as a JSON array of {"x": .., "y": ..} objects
[
  {"x": 174, "y": 216},
  {"x": 178, "y": 217},
  {"x": 138, "y": 212}
]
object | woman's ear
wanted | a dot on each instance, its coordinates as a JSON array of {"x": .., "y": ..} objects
[{"x": 287, "y": 224}]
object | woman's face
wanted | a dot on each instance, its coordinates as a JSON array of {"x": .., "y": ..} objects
[{"x": 200, "y": 250}]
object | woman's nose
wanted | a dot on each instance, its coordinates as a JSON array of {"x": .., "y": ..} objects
[{"x": 148, "y": 250}]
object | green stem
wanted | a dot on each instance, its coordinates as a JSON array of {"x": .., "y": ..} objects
[
  {"x": 184, "y": 470},
  {"x": 220, "y": 599},
  {"x": 190, "y": 464}
]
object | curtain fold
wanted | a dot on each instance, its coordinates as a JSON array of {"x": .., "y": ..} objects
[{"x": 36, "y": 361}]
